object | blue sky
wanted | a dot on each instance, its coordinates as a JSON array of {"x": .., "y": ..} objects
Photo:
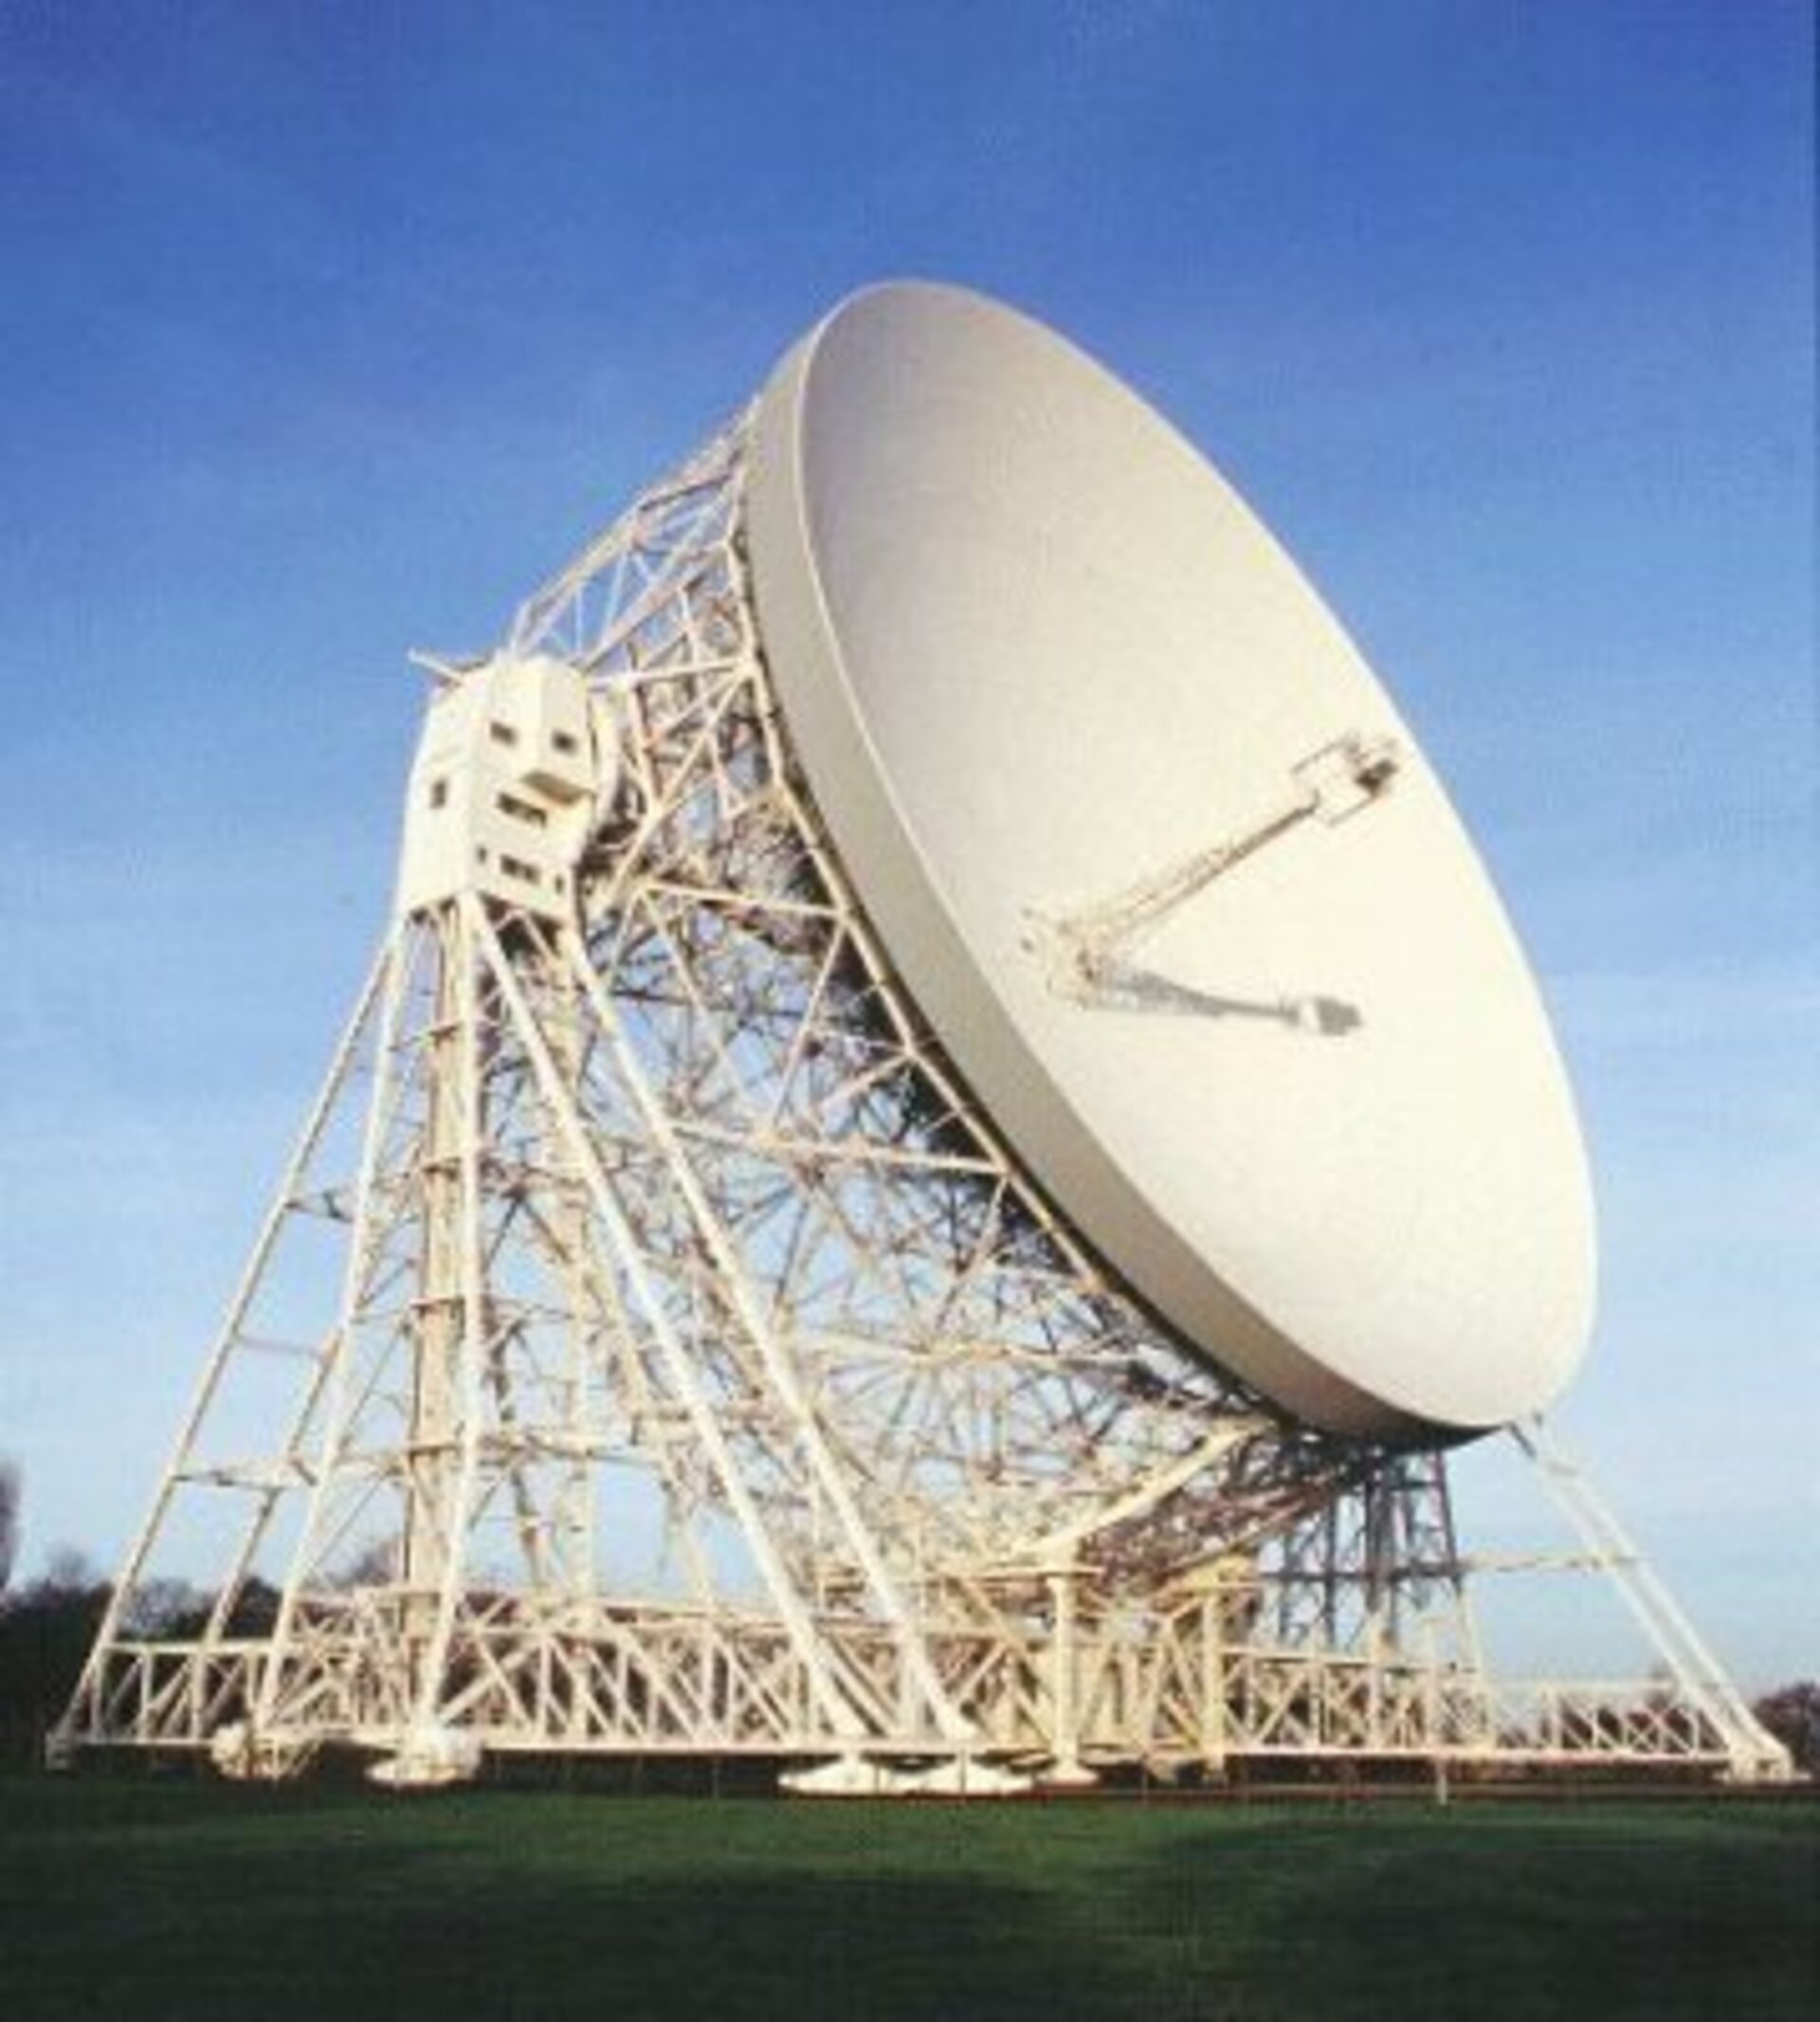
[{"x": 328, "y": 332}]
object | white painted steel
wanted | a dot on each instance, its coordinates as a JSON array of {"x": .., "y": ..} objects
[
  {"x": 673, "y": 1204},
  {"x": 513, "y": 771},
  {"x": 1031, "y": 647}
]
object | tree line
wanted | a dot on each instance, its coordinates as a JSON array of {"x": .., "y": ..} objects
[{"x": 48, "y": 1624}]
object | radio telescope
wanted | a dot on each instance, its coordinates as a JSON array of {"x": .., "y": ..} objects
[{"x": 944, "y": 1133}]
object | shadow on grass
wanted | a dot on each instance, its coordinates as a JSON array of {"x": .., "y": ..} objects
[
  {"x": 169, "y": 1904},
  {"x": 145, "y": 1900}
]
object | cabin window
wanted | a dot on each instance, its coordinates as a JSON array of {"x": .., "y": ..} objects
[{"x": 522, "y": 811}]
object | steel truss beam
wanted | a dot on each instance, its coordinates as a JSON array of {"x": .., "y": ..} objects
[{"x": 702, "y": 1374}]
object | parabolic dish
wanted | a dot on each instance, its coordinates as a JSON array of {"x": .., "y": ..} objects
[{"x": 1032, "y": 649}]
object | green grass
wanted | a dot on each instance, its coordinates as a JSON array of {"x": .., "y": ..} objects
[{"x": 171, "y": 1897}]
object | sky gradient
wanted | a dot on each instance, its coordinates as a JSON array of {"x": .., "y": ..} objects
[{"x": 328, "y": 332}]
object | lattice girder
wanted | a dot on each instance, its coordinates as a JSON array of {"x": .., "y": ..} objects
[{"x": 703, "y": 1373}]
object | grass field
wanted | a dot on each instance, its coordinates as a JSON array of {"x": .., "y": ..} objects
[{"x": 173, "y": 1897}]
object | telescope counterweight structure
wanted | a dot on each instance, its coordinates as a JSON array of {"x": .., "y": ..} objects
[{"x": 656, "y": 1346}]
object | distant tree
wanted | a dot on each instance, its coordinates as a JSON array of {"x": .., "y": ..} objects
[
  {"x": 172, "y": 1610},
  {"x": 8, "y": 1520},
  {"x": 375, "y": 1565},
  {"x": 255, "y": 1609},
  {"x": 67, "y": 1570},
  {"x": 165, "y": 1608},
  {"x": 1792, "y": 1713},
  {"x": 46, "y": 1627}
]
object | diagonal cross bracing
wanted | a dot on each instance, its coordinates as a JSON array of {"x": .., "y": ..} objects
[{"x": 692, "y": 1368}]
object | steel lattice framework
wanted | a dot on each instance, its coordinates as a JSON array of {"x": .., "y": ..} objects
[{"x": 652, "y": 1349}]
